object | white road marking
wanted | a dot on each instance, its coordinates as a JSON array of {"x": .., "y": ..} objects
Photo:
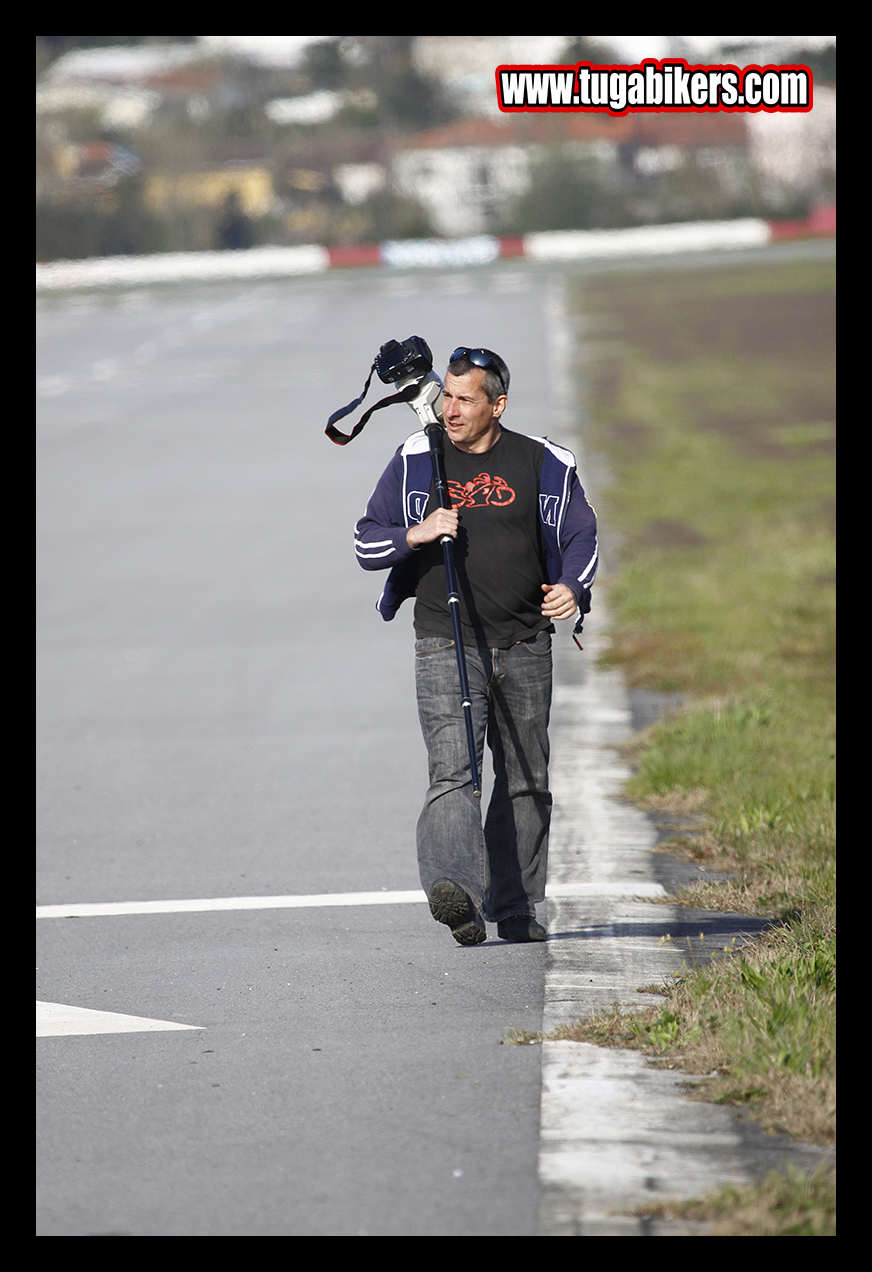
[
  {"x": 100, "y": 910},
  {"x": 109, "y": 908},
  {"x": 54, "y": 1020}
]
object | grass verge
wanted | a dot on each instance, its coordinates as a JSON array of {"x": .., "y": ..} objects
[
  {"x": 715, "y": 411},
  {"x": 793, "y": 1204}
]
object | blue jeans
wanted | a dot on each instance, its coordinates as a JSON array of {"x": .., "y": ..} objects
[{"x": 502, "y": 865}]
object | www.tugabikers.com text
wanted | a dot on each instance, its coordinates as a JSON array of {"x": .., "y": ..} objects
[{"x": 652, "y": 86}]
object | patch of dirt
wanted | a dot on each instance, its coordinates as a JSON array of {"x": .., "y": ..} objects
[
  {"x": 673, "y": 323},
  {"x": 783, "y": 325},
  {"x": 670, "y": 534},
  {"x": 760, "y": 434}
]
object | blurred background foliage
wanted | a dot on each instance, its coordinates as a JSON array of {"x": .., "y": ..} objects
[{"x": 184, "y": 143}]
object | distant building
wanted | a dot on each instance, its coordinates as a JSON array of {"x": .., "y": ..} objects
[
  {"x": 126, "y": 86},
  {"x": 465, "y": 172},
  {"x": 461, "y": 173},
  {"x": 250, "y": 187},
  {"x": 100, "y": 163},
  {"x": 796, "y": 154},
  {"x": 357, "y": 182}
]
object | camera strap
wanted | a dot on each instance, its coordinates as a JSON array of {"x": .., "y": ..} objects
[{"x": 342, "y": 439}]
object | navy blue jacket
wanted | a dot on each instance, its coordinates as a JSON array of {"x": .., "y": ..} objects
[{"x": 400, "y": 500}]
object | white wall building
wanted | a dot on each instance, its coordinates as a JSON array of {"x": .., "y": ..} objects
[
  {"x": 796, "y": 153},
  {"x": 462, "y": 187}
]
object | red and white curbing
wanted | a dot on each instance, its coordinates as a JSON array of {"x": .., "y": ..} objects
[{"x": 482, "y": 249}]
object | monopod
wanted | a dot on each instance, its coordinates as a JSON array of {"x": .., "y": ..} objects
[
  {"x": 436, "y": 437},
  {"x": 409, "y": 365}
]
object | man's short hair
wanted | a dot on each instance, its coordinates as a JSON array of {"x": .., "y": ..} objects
[{"x": 496, "y": 378}]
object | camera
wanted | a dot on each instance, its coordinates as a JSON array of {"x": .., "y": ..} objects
[
  {"x": 409, "y": 359},
  {"x": 408, "y": 364}
]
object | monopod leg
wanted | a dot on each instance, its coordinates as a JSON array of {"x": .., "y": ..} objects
[{"x": 437, "y": 455}]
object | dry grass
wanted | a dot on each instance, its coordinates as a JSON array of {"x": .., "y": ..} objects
[{"x": 793, "y": 1204}]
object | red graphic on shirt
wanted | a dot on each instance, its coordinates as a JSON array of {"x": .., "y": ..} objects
[{"x": 482, "y": 491}]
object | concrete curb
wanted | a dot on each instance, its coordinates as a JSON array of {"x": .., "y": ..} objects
[
  {"x": 482, "y": 249},
  {"x": 618, "y": 1136}
]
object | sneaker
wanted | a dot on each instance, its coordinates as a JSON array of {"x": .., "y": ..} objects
[
  {"x": 520, "y": 928},
  {"x": 449, "y": 904}
]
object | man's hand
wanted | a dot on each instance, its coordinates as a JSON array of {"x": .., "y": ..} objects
[
  {"x": 560, "y": 601},
  {"x": 441, "y": 522}
]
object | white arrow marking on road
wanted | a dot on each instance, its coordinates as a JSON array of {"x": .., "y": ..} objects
[{"x": 54, "y": 1020}]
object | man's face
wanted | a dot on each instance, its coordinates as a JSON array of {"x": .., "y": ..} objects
[{"x": 471, "y": 421}]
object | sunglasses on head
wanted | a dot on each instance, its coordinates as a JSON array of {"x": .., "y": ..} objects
[{"x": 478, "y": 358}]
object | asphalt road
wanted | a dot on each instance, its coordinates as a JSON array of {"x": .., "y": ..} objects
[{"x": 222, "y": 713}]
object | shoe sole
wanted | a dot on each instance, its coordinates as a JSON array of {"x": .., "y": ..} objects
[{"x": 450, "y": 905}]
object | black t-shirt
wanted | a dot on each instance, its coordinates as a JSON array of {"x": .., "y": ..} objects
[{"x": 498, "y": 553}]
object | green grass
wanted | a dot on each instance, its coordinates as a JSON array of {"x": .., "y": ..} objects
[
  {"x": 718, "y": 421},
  {"x": 715, "y": 412},
  {"x": 759, "y": 1024}
]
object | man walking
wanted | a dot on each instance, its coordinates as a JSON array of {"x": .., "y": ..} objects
[{"x": 525, "y": 554}]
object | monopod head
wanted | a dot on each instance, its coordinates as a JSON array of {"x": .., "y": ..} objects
[{"x": 407, "y": 363}]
